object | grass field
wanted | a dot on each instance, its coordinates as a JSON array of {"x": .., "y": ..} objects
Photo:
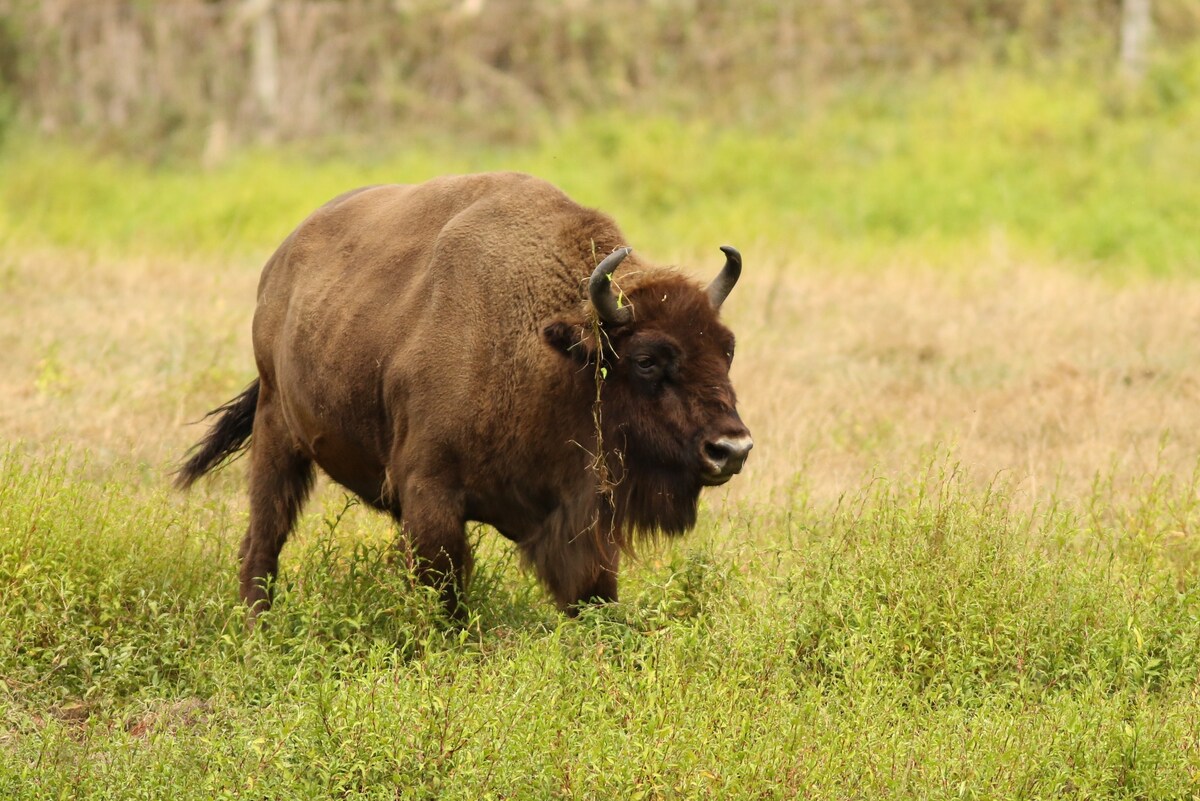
[
  {"x": 961, "y": 562},
  {"x": 1073, "y": 169}
]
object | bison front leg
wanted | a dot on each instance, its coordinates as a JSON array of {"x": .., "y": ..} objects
[
  {"x": 434, "y": 542},
  {"x": 280, "y": 480},
  {"x": 577, "y": 571}
]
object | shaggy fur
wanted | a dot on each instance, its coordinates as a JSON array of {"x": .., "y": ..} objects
[{"x": 432, "y": 348}]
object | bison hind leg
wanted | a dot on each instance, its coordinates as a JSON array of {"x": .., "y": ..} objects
[{"x": 280, "y": 481}]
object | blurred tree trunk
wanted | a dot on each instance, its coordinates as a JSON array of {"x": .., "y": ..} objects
[
  {"x": 1135, "y": 36},
  {"x": 260, "y": 14}
]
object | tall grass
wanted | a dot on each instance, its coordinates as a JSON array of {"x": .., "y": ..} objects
[
  {"x": 916, "y": 638},
  {"x": 1081, "y": 173}
]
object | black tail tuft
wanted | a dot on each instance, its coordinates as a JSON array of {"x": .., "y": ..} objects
[{"x": 229, "y": 435}]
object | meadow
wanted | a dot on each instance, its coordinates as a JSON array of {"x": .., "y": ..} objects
[{"x": 961, "y": 561}]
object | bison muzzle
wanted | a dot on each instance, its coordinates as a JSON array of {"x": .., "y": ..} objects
[{"x": 464, "y": 350}]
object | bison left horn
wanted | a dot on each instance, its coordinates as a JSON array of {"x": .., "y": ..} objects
[
  {"x": 722, "y": 285},
  {"x": 601, "y": 292}
]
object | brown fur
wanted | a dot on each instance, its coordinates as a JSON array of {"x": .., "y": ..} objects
[{"x": 431, "y": 347}]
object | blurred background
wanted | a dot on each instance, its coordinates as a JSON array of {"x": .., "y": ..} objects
[
  {"x": 1066, "y": 126},
  {"x": 967, "y": 225}
]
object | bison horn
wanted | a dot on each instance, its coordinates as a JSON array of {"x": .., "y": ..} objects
[
  {"x": 601, "y": 292},
  {"x": 722, "y": 285}
]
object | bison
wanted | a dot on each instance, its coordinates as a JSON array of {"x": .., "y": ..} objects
[{"x": 459, "y": 350}]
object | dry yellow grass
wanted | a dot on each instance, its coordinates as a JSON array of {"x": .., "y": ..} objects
[
  {"x": 109, "y": 356},
  {"x": 1040, "y": 376},
  {"x": 1033, "y": 373}
]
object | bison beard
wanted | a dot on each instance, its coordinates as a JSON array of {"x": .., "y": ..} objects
[
  {"x": 656, "y": 500},
  {"x": 435, "y": 349}
]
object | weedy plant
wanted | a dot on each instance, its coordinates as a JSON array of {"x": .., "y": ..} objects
[
  {"x": 605, "y": 484},
  {"x": 917, "y": 637}
]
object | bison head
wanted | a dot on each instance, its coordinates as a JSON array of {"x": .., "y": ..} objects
[{"x": 668, "y": 410}]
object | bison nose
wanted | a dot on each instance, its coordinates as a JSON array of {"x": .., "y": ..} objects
[{"x": 724, "y": 457}]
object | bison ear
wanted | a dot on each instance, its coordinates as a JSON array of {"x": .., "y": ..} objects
[{"x": 569, "y": 341}]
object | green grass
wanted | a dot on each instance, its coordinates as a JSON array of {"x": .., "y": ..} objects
[
  {"x": 1074, "y": 169},
  {"x": 920, "y": 639}
]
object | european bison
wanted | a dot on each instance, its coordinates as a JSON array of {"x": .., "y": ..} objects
[{"x": 432, "y": 348}]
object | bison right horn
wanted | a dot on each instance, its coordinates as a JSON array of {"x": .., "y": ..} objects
[
  {"x": 722, "y": 285},
  {"x": 601, "y": 292}
]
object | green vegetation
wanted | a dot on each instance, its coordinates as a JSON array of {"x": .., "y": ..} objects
[
  {"x": 1063, "y": 167},
  {"x": 918, "y": 639},
  {"x": 825, "y": 633}
]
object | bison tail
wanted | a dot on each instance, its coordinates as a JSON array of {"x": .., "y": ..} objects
[{"x": 229, "y": 435}]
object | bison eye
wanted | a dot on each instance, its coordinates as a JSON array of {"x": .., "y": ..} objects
[{"x": 647, "y": 367}]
